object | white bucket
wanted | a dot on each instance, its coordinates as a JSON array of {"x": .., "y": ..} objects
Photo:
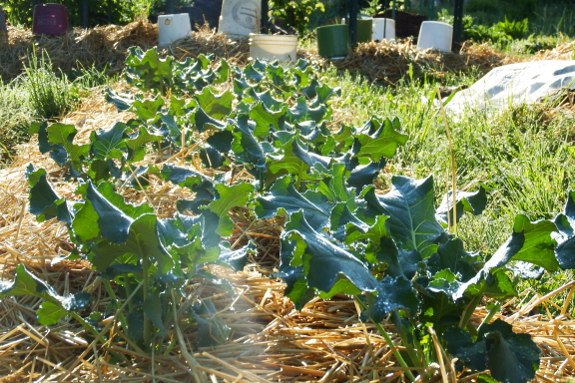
[
  {"x": 240, "y": 17},
  {"x": 435, "y": 35},
  {"x": 173, "y": 27},
  {"x": 282, "y": 48},
  {"x": 383, "y": 29}
]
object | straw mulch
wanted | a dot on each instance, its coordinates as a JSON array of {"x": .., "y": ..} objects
[
  {"x": 270, "y": 342},
  {"x": 106, "y": 46}
]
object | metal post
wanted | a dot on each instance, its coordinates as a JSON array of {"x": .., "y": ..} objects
[
  {"x": 170, "y": 7},
  {"x": 84, "y": 13},
  {"x": 265, "y": 10},
  {"x": 430, "y": 9},
  {"x": 34, "y": 3},
  {"x": 457, "y": 25},
  {"x": 353, "y": 9},
  {"x": 393, "y": 7}
]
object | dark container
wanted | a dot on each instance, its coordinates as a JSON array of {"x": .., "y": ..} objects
[
  {"x": 50, "y": 19},
  {"x": 204, "y": 11},
  {"x": 406, "y": 24}
]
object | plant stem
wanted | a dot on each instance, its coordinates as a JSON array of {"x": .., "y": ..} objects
[
  {"x": 112, "y": 295},
  {"x": 490, "y": 315},
  {"x": 470, "y": 308},
  {"x": 147, "y": 323},
  {"x": 395, "y": 351},
  {"x": 385, "y": 335},
  {"x": 87, "y": 326}
]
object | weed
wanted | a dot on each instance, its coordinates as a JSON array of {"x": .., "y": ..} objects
[{"x": 50, "y": 95}]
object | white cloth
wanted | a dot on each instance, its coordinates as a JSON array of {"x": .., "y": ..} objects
[{"x": 514, "y": 84}]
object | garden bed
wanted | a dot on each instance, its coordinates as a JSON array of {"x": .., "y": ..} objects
[{"x": 270, "y": 341}]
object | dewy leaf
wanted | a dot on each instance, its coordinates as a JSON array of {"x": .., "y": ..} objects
[
  {"x": 42, "y": 196},
  {"x": 284, "y": 196},
  {"x": 440, "y": 304},
  {"x": 216, "y": 106},
  {"x": 236, "y": 259},
  {"x": 472, "y": 202},
  {"x": 324, "y": 263},
  {"x": 122, "y": 102},
  {"x": 229, "y": 197},
  {"x": 108, "y": 144},
  {"x": 245, "y": 146},
  {"x": 409, "y": 206},
  {"x": 138, "y": 143},
  {"x": 511, "y": 357},
  {"x": 382, "y": 143},
  {"x": 500, "y": 258},
  {"x": 265, "y": 119},
  {"x": 363, "y": 175},
  {"x": 132, "y": 211},
  {"x": 55, "y": 307},
  {"x": 113, "y": 224},
  {"x": 565, "y": 237},
  {"x": 452, "y": 255},
  {"x": 50, "y": 313},
  {"x": 392, "y": 294},
  {"x": 148, "y": 110},
  {"x": 152, "y": 306},
  {"x": 539, "y": 245},
  {"x": 460, "y": 345},
  {"x": 25, "y": 283},
  {"x": 143, "y": 242},
  {"x": 63, "y": 135}
]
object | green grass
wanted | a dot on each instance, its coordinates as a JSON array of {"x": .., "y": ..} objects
[{"x": 15, "y": 117}]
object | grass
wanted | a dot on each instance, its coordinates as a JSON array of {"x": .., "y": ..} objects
[{"x": 15, "y": 116}]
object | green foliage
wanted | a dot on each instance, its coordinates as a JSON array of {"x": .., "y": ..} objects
[
  {"x": 515, "y": 29},
  {"x": 501, "y": 33},
  {"x": 391, "y": 251},
  {"x": 16, "y": 115},
  {"x": 296, "y": 13}
]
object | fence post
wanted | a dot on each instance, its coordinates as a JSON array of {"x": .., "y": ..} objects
[
  {"x": 170, "y": 7},
  {"x": 84, "y": 13},
  {"x": 264, "y": 21},
  {"x": 457, "y": 25},
  {"x": 353, "y": 9}
]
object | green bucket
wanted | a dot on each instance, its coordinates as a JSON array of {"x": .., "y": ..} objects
[
  {"x": 364, "y": 28},
  {"x": 333, "y": 41}
]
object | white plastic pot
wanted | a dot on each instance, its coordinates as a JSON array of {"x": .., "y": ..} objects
[
  {"x": 173, "y": 27},
  {"x": 435, "y": 35},
  {"x": 240, "y": 17},
  {"x": 383, "y": 29},
  {"x": 282, "y": 48}
]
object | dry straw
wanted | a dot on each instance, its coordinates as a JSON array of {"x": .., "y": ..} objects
[{"x": 271, "y": 341}]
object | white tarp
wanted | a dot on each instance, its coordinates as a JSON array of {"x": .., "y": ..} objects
[{"x": 515, "y": 84}]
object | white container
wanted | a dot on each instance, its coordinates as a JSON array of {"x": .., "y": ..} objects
[
  {"x": 383, "y": 29},
  {"x": 240, "y": 17},
  {"x": 173, "y": 27},
  {"x": 282, "y": 48},
  {"x": 435, "y": 35}
]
